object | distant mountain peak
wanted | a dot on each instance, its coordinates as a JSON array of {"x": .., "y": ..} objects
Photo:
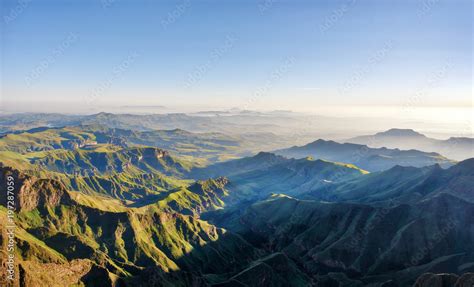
[
  {"x": 461, "y": 139},
  {"x": 266, "y": 155},
  {"x": 103, "y": 114},
  {"x": 400, "y": 133},
  {"x": 400, "y": 168},
  {"x": 320, "y": 142},
  {"x": 179, "y": 131}
]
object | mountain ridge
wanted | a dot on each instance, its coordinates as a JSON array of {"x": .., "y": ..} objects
[
  {"x": 458, "y": 148},
  {"x": 371, "y": 159},
  {"x": 402, "y": 184}
]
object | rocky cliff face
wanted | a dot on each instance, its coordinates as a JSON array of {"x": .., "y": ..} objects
[
  {"x": 55, "y": 229},
  {"x": 32, "y": 192}
]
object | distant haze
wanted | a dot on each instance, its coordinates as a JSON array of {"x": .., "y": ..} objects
[{"x": 340, "y": 58}]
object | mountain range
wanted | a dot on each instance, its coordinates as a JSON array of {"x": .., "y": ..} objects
[
  {"x": 403, "y": 185},
  {"x": 371, "y": 159},
  {"x": 360, "y": 245},
  {"x": 207, "y": 146},
  {"x": 101, "y": 205},
  {"x": 457, "y": 148}
]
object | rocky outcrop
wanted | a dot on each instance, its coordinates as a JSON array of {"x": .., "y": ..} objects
[
  {"x": 445, "y": 280},
  {"x": 147, "y": 153},
  {"x": 31, "y": 192},
  {"x": 75, "y": 144},
  {"x": 32, "y": 273}
]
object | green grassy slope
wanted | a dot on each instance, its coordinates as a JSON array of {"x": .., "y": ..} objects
[
  {"x": 202, "y": 147},
  {"x": 123, "y": 242},
  {"x": 265, "y": 173}
]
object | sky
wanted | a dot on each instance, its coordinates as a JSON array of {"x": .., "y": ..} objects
[{"x": 336, "y": 56}]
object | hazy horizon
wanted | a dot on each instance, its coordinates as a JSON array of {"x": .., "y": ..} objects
[
  {"x": 339, "y": 122},
  {"x": 339, "y": 59},
  {"x": 271, "y": 55}
]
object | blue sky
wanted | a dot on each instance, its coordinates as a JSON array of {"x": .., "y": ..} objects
[{"x": 268, "y": 54}]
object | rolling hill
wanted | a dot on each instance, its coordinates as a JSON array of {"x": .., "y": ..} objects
[{"x": 195, "y": 146}]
